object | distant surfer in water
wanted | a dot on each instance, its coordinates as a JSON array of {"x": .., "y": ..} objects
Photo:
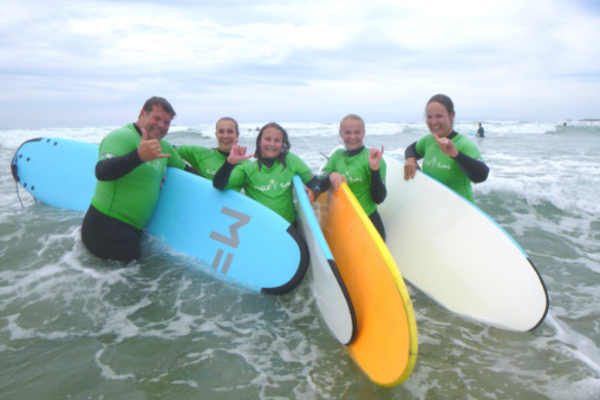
[
  {"x": 448, "y": 157},
  {"x": 361, "y": 168},
  {"x": 268, "y": 179},
  {"x": 208, "y": 161},
  {"x": 480, "y": 131},
  {"x": 132, "y": 164}
]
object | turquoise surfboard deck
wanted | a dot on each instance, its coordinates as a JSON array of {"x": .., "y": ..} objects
[
  {"x": 326, "y": 282},
  {"x": 239, "y": 238}
]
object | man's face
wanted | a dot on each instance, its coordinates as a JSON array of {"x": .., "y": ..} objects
[{"x": 156, "y": 123}]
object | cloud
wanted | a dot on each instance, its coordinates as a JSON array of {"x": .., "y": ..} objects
[{"x": 297, "y": 60}]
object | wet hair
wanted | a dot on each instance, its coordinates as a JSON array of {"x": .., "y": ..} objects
[
  {"x": 284, "y": 149},
  {"x": 352, "y": 116},
  {"x": 161, "y": 102},
  {"x": 443, "y": 100},
  {"x": 237, "y": 130}
]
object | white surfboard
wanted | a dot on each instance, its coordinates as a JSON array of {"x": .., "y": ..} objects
[
  {"x": 457, "y": 255},
  {"x": 326, "y": 282}
]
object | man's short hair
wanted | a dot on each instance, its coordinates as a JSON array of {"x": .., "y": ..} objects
[{"x": 159, "y": 101}]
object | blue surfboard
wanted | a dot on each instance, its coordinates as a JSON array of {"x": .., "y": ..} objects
[
  {"x": 326, "y": 282},
  {"x": 239, "y": 238}
]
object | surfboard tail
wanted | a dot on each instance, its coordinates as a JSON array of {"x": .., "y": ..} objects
[{"x": 302, "y": 266}]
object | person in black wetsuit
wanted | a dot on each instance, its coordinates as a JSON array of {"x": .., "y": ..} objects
[
  {"x": 480, "y": 131},
  {"x": 132, "y": 164}
]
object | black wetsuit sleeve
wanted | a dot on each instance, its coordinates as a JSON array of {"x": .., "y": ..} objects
[
  {"x": 191, "y": 170},
  {"x": 110, "y": 169},
  {"x": 476, "y": 170},
  {"x": 222, "y": 176},
  {"x": 411, "y": 151},
  {"x": 378, "y": 190}
]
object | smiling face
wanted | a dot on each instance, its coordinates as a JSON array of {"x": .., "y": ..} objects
[
  {"x": 271, "y": 143},
  {"x": 439, "y": 121},
  {"x": 352, "y": 132},
  {"x": 226, "y": 134},
  {"x": 156, "y": 123}
]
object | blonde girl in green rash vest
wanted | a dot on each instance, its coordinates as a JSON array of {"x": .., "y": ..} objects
[
  {"x": 448, "y": 157},
  {"x": 361, "y": 168},
  {"x": 268, "y": 179},
  {"x": 208, "y": 161}
]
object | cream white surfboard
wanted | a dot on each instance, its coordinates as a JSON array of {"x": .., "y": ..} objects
[
  {"x": 457, "y": 255},
  {"x": 326, "y": 282}
]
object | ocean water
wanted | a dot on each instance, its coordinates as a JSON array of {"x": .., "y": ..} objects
[{"x": 75, "y": 327}]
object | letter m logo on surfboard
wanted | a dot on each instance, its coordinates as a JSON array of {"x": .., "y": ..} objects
[{"x": 232, "y": 241}]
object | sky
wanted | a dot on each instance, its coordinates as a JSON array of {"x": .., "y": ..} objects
[{"x": 94, "y": 63}]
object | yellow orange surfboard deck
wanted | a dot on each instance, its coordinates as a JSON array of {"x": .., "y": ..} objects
[{"x": 386, "y": 343}]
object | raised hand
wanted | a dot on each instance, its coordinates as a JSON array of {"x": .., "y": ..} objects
[
  {"x": 375, "y": 157},
  {"x": 149, "y": 149},
  {"x": 238, "y": 154},
  {"x": 336, "y": 180},
  {"x": 446, "y": 146}
]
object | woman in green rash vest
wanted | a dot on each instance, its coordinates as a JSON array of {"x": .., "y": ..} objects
[
  {"x": 361, "y": 168},
  {"x": 448, "y": 156},
  {"x": 208, "y": 161},
  {"x": 267, "y": 180}
]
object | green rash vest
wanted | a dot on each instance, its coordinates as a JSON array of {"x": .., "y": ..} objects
[
  {"x": 271, "y": 187},
  {"x": 204, "y": 160},
  {"x": 357, "y": 171},
  {"x": 443, "y": 168},
  {"x": 132, "y": 198}
]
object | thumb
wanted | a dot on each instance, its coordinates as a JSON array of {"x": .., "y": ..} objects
[
  {"x": 144, "y": 134},
  {"x": 382, "y": 150}
]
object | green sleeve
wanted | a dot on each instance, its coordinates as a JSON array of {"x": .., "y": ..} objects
[
  {"x": 469, "y": 148},
  {"x": 238, "y": 176},
  {"x": 299, "y": 167},
  {"x": 119, "y": 142},
  {"x": 422, "y": 144},
  {"x": 175, "y": 159}
]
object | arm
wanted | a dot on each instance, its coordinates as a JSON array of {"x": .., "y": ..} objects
[
  {"x": 476, "y": 170},
  {"x": 113, "y": 167},
  {"x": 410, "y": 166},
  {"x": 222, "y": 176},
  {"x": 378, "y": 190}
]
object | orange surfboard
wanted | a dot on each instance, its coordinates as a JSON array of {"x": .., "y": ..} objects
[{"x": 386, "y": 343}]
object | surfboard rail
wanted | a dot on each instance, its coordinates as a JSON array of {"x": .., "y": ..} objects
[
  {"x": 386, "y": 344},
  {"x": 454, "y": 252}
]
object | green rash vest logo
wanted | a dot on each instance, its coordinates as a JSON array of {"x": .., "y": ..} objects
[
  {"x": 273, "y": 185},
  {"x": 209, "y": 172},
  {"x": 157, "y": 165},
  {"x": 433, "y": 162},
  {"x": 351, "y": 179}
]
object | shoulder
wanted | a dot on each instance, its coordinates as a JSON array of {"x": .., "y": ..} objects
[
  {"x": 466, "y": 146},
  {"x": 293, "y": 159}
]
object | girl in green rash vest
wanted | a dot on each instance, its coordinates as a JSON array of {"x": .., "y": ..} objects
[
  {"x": 361, "y": 168},
  {"x": 267, "y": 180},
  {"x": 208, "y": 161},
  {"x": 448, "y": 156}
]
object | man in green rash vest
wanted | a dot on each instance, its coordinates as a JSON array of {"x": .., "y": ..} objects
[
  {"x": 208, "y": 161},
  {"x": 361, "y": 168},
  {"x": 132, "y": 164}
]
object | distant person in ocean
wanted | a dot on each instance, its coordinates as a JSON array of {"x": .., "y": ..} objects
[
  {"x": 448, "y": 156},
  {"x": 361, "y": 168},
  {"x": 480, "y": 131},
  {"x": 208, "y": 161},
  {"x": 268, "y": 179},
  {"x": 131, "y": 167}
]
